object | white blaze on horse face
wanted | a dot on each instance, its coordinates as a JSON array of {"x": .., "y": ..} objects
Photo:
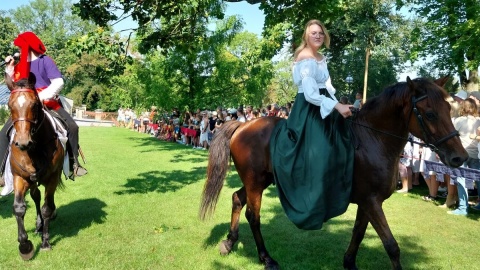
[{"x": 21, "y": 101}]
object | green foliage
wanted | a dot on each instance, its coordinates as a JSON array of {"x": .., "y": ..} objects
[
  {"x": 4, "y": 114},
  {"x": 281, "y": 89},
  {"x": 108, "y": 46},
  {"x": 446, "y": 35},
  {"x": 199, "y": 73},
  {"x": 101, "y": 57},
  {"x": 171, "y": 24},
  {"x": 54, "y": 23},
  {"x": 223, "y": 67},
  {"x": 7, "y": 35}
]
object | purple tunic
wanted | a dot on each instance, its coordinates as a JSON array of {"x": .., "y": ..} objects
[{"x": 44, "y": 69}]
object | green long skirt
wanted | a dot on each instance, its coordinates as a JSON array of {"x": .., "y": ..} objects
[{"x": 312, "y": 162}]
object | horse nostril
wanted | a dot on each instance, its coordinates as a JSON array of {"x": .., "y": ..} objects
[{"x": 456, "y": 161}]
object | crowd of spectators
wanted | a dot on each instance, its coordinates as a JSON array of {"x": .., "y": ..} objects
[
  {"x": 453, "y": 188},
  {"x": 194, "y": 129}
]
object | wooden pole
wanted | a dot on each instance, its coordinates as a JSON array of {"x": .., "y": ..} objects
[{"x": 365, "y": 77}]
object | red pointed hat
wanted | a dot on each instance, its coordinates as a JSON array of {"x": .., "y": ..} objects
[{"x": 26, "y": 41}]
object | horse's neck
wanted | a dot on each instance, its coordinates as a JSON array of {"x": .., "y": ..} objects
[
  {"x": 45, "y": 128},
  {"x": 387, "y": 127}
]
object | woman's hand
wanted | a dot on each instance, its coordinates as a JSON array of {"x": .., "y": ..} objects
[{"x": 344, "y": 109}]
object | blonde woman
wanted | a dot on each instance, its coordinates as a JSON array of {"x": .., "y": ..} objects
[
  {"x": 467, "y": 124},
  {"x": 312, "y": 150}
]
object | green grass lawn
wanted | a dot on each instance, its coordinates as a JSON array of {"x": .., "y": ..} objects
[{"x": 137, "y": 208}]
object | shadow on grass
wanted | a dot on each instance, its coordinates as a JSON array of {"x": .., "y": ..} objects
[
  {"x": 161, "y": 181},
  {"x": 6, "y": 206},
  {"x": 161, "y": 145},
  {"x": 75, "y": 216},
  {"x": 70, "y": 220},
  {"x": 318, "y": 249}
]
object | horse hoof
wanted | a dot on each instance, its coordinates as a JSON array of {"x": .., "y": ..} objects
[
  {"x": 48, "y": 248},
  {"x": 225, "y": 247},
  {"x": 272, "y": 267},
  {"x": 26, "y": 250}
]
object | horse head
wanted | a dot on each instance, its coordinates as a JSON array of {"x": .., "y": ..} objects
[
  {"x": 430, "y": 120},
  {"x": 24, "y": 106}
]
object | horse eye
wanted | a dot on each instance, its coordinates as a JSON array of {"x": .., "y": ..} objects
[{"x": 431, "y": 116}]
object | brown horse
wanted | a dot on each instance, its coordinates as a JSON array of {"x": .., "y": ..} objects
[
  {"x": 381, "y": 129},
  {"x": 36, "y": 158}
]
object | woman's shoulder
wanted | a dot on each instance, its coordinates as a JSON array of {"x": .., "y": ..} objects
[{"x": 306, "y": 56}]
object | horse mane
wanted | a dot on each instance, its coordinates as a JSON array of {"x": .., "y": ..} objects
[{"x": 399, "y": 94}]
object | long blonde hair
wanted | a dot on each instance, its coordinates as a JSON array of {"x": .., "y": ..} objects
[
  {"x": 468, "y": 107},
  {"x": 302, "y": 46}
]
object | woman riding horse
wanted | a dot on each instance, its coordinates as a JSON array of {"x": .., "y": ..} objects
[{"x": 380, "y": 131}]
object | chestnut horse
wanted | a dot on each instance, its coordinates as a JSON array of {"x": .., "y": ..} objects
[
  {"x": 36, "y": 158},
  {"x": 380, "y": 130}
]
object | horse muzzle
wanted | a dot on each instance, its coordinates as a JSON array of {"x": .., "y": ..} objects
[
  {"x": 23, "y": 143},
  {"x": 454, "y": 159}
]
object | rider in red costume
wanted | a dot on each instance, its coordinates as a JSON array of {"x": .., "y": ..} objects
[{"x": 48, "y": 84}]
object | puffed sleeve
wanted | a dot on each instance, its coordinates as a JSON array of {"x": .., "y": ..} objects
[{"x": 311, "y": 89}]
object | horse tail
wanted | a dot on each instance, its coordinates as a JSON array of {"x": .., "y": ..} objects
[{"x": 218, "y": 161}]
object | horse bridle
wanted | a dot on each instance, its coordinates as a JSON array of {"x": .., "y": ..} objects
[
  {"x": 33, "y": 121},
  {"x": 36, "y": 126},
  {"x": 425, "y": 131}
]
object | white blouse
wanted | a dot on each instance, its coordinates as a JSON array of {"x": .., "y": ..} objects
[{"x": 309, "y": 75}]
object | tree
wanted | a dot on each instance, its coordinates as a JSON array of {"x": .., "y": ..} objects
[
  {"x": 446, "y": 35},
  {"x": 7, "y": 35},
  {"x": 240, "y": 76},
  {"x": 54, "y": 23},
  {"x": 377, "y": 42},
  {"x": 169, "y": 25},
  {"x": 281, "y": 89},
  {"x": 223, "y": 68},
  {"x": 101, "y": 57}
]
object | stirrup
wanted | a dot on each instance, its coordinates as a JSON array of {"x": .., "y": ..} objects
[{"x": 79, "y": 170}]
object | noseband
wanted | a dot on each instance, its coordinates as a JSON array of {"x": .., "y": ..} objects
[{"x": 425, "y": 131}]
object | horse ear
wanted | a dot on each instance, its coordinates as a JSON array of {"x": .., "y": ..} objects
[
  {"x": 442, "y": 81},
  {"x": 8, "y": 81},
  {"x": 410, "y": 83},
  {"x": 32, "y": 80}
]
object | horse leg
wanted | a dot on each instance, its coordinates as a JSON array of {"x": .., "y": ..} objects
[
  {"x": 25, "y": 246},
  {"x": 254, "y": 202},
  {"x": 48, "y": 210},
  {"x": 361, "y": 223},
  {"x": 239, "y": 199},
  {"x": 379, "y": 222},
  {"x": 36, "y": 196}
]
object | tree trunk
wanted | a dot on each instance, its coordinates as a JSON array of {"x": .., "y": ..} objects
[{"x": 365, "y": 77}]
